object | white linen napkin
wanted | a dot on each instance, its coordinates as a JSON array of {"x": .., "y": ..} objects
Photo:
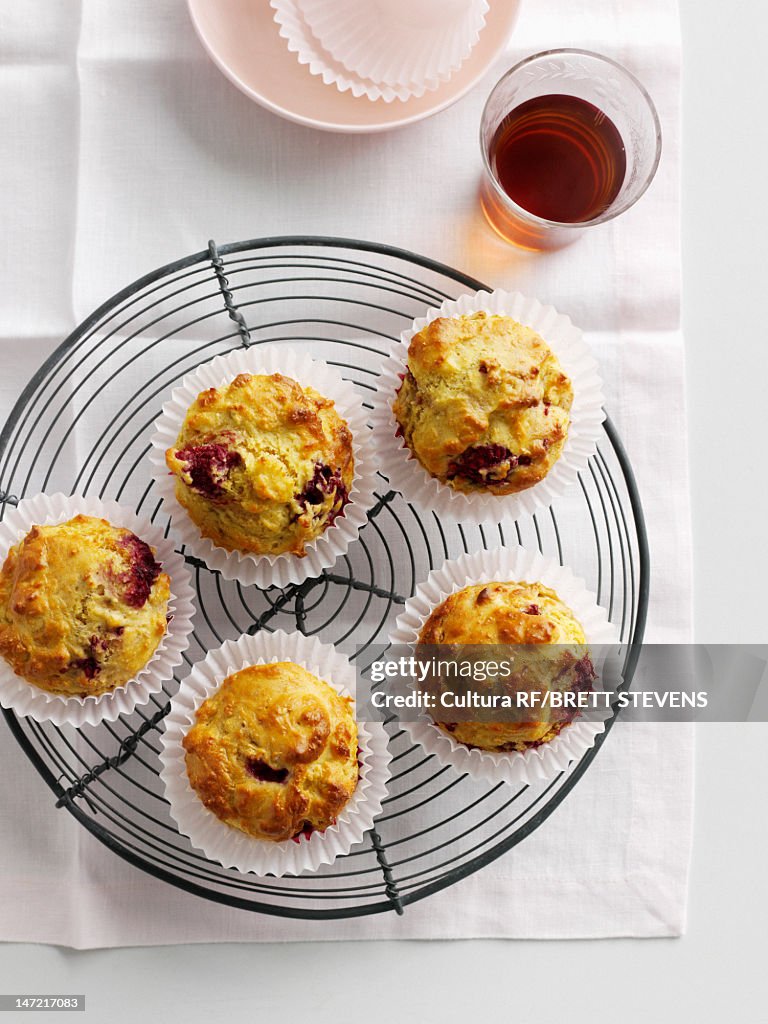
[{"x": 126, "y": 149}]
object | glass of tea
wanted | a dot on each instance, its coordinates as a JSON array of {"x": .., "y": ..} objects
[{"x": 569, "y": 139}]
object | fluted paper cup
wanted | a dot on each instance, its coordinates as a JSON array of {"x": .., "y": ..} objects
[
  {"x": 312, "y": 54},
  {"x": 267, "y": 570},
  {"x": 397, "y": 43},
  {"x": 228, "y": 846},
  {"x": 536, "y": 764},
  {"x": 405, "y": 472},
  {"x": 29, "y": 700}
]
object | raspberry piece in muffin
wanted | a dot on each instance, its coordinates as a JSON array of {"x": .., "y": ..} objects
[
  {"x": 325, "y": 481},
  {"x": 206, "y": 467},
  {"x": 485, "y": 464},
  {"x": 142, "y": 573}
]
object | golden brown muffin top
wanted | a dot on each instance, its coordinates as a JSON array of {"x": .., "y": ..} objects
[
  {"x": 502, "y": 613},
  {"x": 484, "y": 405},
  {"x": 273, "y": 751},
  {"x": 83, "y": 606},
  {"x": 263, "y": 464}
]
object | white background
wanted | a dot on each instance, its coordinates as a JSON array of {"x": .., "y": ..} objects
[{"x": 716, "y": 971}]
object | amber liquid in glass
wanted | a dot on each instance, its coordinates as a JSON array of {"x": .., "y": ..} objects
[{"x": 560, "y": 158}]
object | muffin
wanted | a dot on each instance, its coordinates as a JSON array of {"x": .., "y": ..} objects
[
  {"x": 263, "y": 465},
  {"x": 484, "y": 404},
  {"x": 273, "y": 752},
  {"x": 83, "y": 606},
  {"x": 515, "y": 613}
]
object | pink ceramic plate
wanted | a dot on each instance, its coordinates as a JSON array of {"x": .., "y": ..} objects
[{"x": 242, "y": 39}]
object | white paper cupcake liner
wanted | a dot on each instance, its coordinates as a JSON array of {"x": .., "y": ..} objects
[
  {"x": 405, "y": 472},
  {"x": 228, "y": 846},
  {"x": 267, "y": 570},
  {"x": 29, "y": 700},
  {"x": 397, "y": 43},
  {"x": 310, "y": 52},
  {"x": 537, "y": 764}
]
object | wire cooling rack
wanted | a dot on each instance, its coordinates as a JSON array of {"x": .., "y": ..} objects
[{"x": 83, "y": 425}]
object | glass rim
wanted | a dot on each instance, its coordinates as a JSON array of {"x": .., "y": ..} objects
[{"x": 611, "y": 212}]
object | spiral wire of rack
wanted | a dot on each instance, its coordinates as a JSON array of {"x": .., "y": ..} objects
[{"x": 82, "y": 425}]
